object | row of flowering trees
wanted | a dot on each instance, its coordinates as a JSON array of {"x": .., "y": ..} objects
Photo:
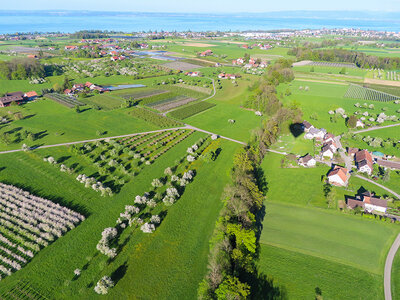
[
  {"x": 28, "y": 224},
  {"x": 166, "y": 190}
]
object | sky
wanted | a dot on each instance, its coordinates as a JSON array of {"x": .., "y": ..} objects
[{"x": 202, "y": 6}]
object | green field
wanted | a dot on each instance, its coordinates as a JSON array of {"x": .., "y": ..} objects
[
  {"x": 57, "y": 124},
  {"x": 323, "y": 248},
  {"x": 323, "y": 97},
  {"x": 228, "y": 102},
  {"x": 396, "y": 277}
]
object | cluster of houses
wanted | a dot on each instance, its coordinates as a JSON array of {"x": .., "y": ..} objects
[
  {"x": 228, "y": 76},
  {"x": 206, "y": 53},
  {"x": 329, "y": 146},
  {"x": 17, "y": 97},
  {"x": 80, "y": 87},
  {"x": 252, "y": 63},
  {"x": 192, "y": 74},
  {"x": 259, "y": 45}
]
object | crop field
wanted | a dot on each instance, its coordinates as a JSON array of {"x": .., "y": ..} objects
[
  {"x": 65, "y": 100},
  {"x": 105, "y": 101},
  {"x": 180, "y": 65},
  {"x": 171, "y": 103},
  {"x": 191, "y": 110},
  {"x": 363, "y": 93},
  {"x": 152, "y": 117},
  {"x": 327, "y": 238},
  {"x": 316, "y": 69},
  {"x": 142, "y": 93}
]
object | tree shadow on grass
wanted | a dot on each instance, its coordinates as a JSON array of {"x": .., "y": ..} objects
[
  {"x": 119, "y": 273},
  {"x": 263, "y": 287}
]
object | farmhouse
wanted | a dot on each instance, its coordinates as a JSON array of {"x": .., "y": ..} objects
[
  {"x": 8, "y": 98},
  {"x": 364, "y": 162},
  {"x": 306, "y": 126},
  {"x": 307, "y": 161},
  {"x": 368, "y": 202},
  {"x": 315, "y": 133},
  {"x": 339, "y": 176},
  {"x": 329, "y": 137},
  {"x": 352, "y": 151},
  {"x": 388, "y": 164},
  {"x": 31, "y": 95},
  {"x": 192, "y": 74},
  {"x": 327, "y": 151},
  {"x": 206, "y": 53}
]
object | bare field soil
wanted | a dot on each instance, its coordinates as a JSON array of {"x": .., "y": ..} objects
[
  {"x": 382, "y": 82},
  {"x": 178, "y": 65}
]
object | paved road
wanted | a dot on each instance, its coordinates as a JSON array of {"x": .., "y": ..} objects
[
  {"x": 388, "y": 268},
  {"x": 380, "y": 185},
  {"x": 213, "y": 94},
  {"x": 376, "y": 128}
]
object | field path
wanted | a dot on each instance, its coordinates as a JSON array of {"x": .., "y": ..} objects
[
  {"x": 376, "y": 128},
  {"x": 388, "y": 268},
  {"x": 125, "y": 135}
]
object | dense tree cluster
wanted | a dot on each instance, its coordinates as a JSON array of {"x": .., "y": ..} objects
[
  {"x": 21, "y": 68},
  {"x": 89, "y": 34},
  {"x": 232, "y": 270},
  {"x": 360, "y": 59}
]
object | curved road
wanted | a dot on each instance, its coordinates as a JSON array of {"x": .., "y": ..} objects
[
  {"x": 380, "y": 185},
  {"x": 388, "y": 268}
]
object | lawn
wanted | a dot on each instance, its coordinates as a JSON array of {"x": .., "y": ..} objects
[
  {"x": 105, "y": 101},
  {"x": 174, "y": 258}
]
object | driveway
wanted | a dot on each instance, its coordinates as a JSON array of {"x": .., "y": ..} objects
[{"x": 388, "y": 268}]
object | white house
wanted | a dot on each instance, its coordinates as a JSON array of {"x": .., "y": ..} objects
[
  {"x": 369, "y": 203},
  {"x": 360, "y": 124},
  {"x": 327, "y": 151},
  {"x": 315, "y": 133},
  {"x": 339, "y": 176},
  {"x": 365, "y": 167},
  {"x": 307, "y": 161}
]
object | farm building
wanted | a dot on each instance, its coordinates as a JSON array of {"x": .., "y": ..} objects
[
  {"x": 364, "y": 162},
  {"x": 307, "y": 161},
  {"x": 368, "y": 202},
  {"x": 8, "y": 98},
  {"x": 31, "y": 95}
]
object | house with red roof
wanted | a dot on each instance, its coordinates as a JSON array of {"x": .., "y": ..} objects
[
  {"x": 31, "y": 95},
  {"x": 338, "y": 176},
  {"x": 364, "y": 162}
]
